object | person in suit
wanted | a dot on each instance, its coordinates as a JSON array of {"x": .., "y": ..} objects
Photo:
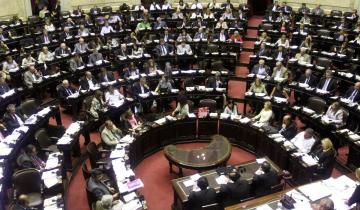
[
  {"x": 265, "y": 177},
  {"x": 12, "y": 120},
  {"x": 87, "y": 82},
  {"x": 263, "y": 51},
  {"x": 335, "y": 114},
  {"x": 280, "y": 54},
  {"x": 288, "y": 128},
  {"x": 30, "y": 159},
  {"x": 4, "y": 35},
  {"x": 326, "y": 158},
  {"x": 184, "y": 36},
  {"x": 31, "y": 76},
  {"x": 83, "y": 31},
  {"x": 110, "y": 135},
  {"x": 123, "y": 51},
  {"x": 286, "y": 8},
  {"x": 236, "y": 190},
  {"x": 97, "y": 187},
  {"x": 45, "y": 38},
  {"x": 203, "y": 197},
  {"x": 318, "y": 11},
  {"x": 328, "y": 83},
  {"x": 130, "y": 121},
  {"x": 62, "y": 50},
  {"x": 355, "y": 197},
  {"x": 45, "y": 55},
  {"x": 270, "y": 17},
  {"x": 4, "y": 87},
  {"x": 166, "y": 36},
  {"x": 159, "y": 24},
  {"x": 200, "y": 34},
  {"x": 141, "y": 87},
  {"x": 303, "y": 9},
  {"x": 94, "y": 57},
  {"x": 353, "y": 93},
  {"x": 261, "y": 68},
  {"x": 81, "y": 46},
  {"x": 280, "y": 71},
  {"x": 66, "y": 34},
  {"x": 95, "y": 10},
  {"x": 222, "y": 36},
  {"x": 22, "y": 203},
  {"x": 97, "y": 104},
  {"x": 76, "y": 62},
  {"x": 65, "y": 90},
  {"x": 105, "y": 76},
  {"x": 309, "y": 79},
  {"x": 215, "y": 81},
  {"x": 163, "y": 48}
]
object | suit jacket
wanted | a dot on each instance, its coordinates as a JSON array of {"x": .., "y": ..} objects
[
  {"x": 331, "y": 87},
  {"x": 232, "y": 193},
  {"x": 11, "y": 122},
  {"x": 198, "y": 35},
  {"x": 326, "y": 162},
  {"x": 263, "y": 52},
  {"x": 41, "y": 39},
  {"x": 64, "y": 35},
  {"x": 74, "y": 64},
  {"x": 211, "y": 82},
  {"x": 29, "y": 79},
  {"x": 355, "y": 197},
  {"x": 59, "y": 51},
  {"x": 290, "y": 131},
  {"x": 276, "y": 53},
  {"x": 123, "y": 53},
  {"x": 255, "y": 69},
  {"x": 202, "y": 198},
  {"x": 65, "y": 92},
  {"x": 158, "y": 49},
  {"x": 80, "y": 48},
  {"x": 312, "y": 80},
  {"x": 4, "y": 88},
  {"x": 217, "y": 36},
  {"x": 84, "y": 83},
  {"x": 262, "y": 183},
  {"x": 137, "y": 89},
  {"x": 95, "y": 57},
  {"x": 349, "y": 93},
  {"x": 110, "y": 77},
  {"x": 162, "y": 24},
  {"x": 304, "y": 10}
]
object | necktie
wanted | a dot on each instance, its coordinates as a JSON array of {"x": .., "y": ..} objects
[
  {"x": 68, "y": 91},
  {"x": 46, "y": 39},
  {"x": 352, "y": 97},
  {"x": 326, "y": 84},
  {"x": 163, "y": 49},
  {"x": 62, "y": 51},
  {"x": 307, "y": 80}
]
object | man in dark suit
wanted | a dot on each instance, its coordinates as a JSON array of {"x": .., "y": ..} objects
[
  {"x": 203, "y": 197},
  {"x": 353, "y": 93},
  {"x": 163, "y": 48},
  {"x": 264, "y": 179},
  {"x": 66, "y": 34},
  {"x": 328, "y": 83},
  {"x": 167, "y": 37},
  {"x": 141, "y": 87},
  {"x": 308, "y": 78},
  {"x": 94, "y": 57},
  {"x": 159, "y": 24},
  {"x": 261, "y": 68},
  {"x": 234, "y": 191},
  {"x": 288, "y": 128},
  {"x": 65, "y": 90},
  {"x": 95, "y": 10},
  {"x": 105, "y": 76},
  {"x": 87, "y": 82},
  {"x": 45, "y": 38},
  {"x": 62, "y": 50},
  {"x": 3, "y": 86},
  {"x": 215, "y": 81},
  {"x": 4, "y": 35},
  {"x": 123, "y": 51},
  {"x": 303, "y": 9},
  {"x": 12, "y": 119},
  {"x": 263, "y": 51},
  {"x": 221, "y": 36},
  {"x": 280, "y": 54}
]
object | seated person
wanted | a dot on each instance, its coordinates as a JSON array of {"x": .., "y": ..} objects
[
  {"x": 8, "y": 65},
  {"x": 328, "y": 83},
  {"x": 326, "y": 159},
  {"x": 45, "y": 55},
  {"x": 355, "y": 197},
  {"x": 317, "y": 11},
  {"x": 143, "y": 25},
  {"x": 177, "y": 14},
  {"x": 95, "y": 57},
  {"x": 141, "y": 87},
  {"x": 257, "y": 86},
  {"x": 87, "y": 82},
  {"x": 198, "y": 23},
  {"x": 106, "y": 29},
  {"x": 303, "y": 57},
  {"x": 222, "y": 36},
  {"x": 132, "y": 70},
  {"x": 27, "y": 60},
  {"x": 353, "y": 93},
  {"x": 263, "y": 51},
  {"x": 4, "y": 49},
  {"x": 230, "y": 107},
  {"x": 304, "y": 140},
  {"x": 335, "y": 115},
  {"x": 265, "y": 114},
  {"x": 11, "y": 119},
  {"x": 164, "y": 85},
  {"x": 280, "y": 54},
  {"x": 264, "y": 38},
  {"x": 32, "y": 76},
  {"x": 280, "y": 92},
  {"x": 283, "y": 41},
  {"x": 184, "y": 37},
  {"x": 83, "y": 31},
  {"x": 265, "y": 177},
  {"x": 22, "y": 203},
  {"x": 196, "y": 5},
  {"x": 183, "y": 49},
  {"x": 137, "y": 50},
  {"x": 309, "y": 79},
  {"x": 107, "y": 203},
  {"x": 123, "y": 51},
  {"x": 110, "y": 135},
  {"x": 236, "y": 37},
  {"x": 159, "y": 24},
  {"x": 302, "y": 30},
  {"x": 62, "y": 50},
  {"x": 81, "y": 46},
  {"x": 221, "y": 24},
  {"x": 215, "y": 81},
  {"x": 200, "y": 34},
  {"x": 4, "y": 87},
  {"x": 30, "y": 159},
  {"x": 234, "y": 191},
  {"x": 65, "y": 35},
  {"x": 151, "y": 67},
  {"x": 288, "y": 128},
  {"x": 97, "y": 104},
  {"x": 65, "y": 90},
  {"x": 97, "y": 187},
  {"x": 182, "y": 108},
  {"x": 167, "y": 36},
  {"x": 261, "y": 68},
  {"x": 106, "y": 76},
  {"x": 113, "y": 96},
  {"x": 270, "y": 17},
  {"x": 303, "y": 9},
  {"x": 163, "y": 48},
  {"x": 280, "y": 72},
  {"x": 227, "y": 14},
  {"x": 204, "y": 197},
  {"x": 45, "y": 38},
  {"x": 130, "y": 121},
  {"x": 324, "y": 204},
  {"x": 76, "y": 62}
]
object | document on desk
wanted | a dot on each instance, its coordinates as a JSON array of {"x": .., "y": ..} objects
[
  {"x": 64, "y": 140},
  {"x": 264, "y": 207},
  {"x": 315, "y": 191},
  {"x": 130, "y": 197},
  {"x": 341, "y": 189},
  {"x": 301, "y": 201},
  {"x": 118, "y": 153},
  {"x": 52, "y": 163},
  {"x": 132, "y": 205},
  {"x": 222, "y": 180}
]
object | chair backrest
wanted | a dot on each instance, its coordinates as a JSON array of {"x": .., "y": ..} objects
[
  {"x": 336, "y": 13},
  {"x": 65, "y": 14},
  {"x": 277, "y": 188},
  {"x": 317, "y": 104},
  {"x": 27, "y": 181},
  {"x": 93, "y": 153},
  {"x": 214, "y": 206},
  {"x": 42, "y": 137},
  {"x": 324, "y": 62},
  {"x": 345, "y": 115},
  {"x": 29, "y": 107},
  {"x": 323, "y": 32},
  {"x": 26, "y": 42},
  {"x": 85, "y": 170},
  {"x": 211, "y": 103},
  {"x": 107, "y": 9},
  {"x": 267, "y": 26},
  {"x": 347, "y": 14},
  {"x": 191, "y": 105}
]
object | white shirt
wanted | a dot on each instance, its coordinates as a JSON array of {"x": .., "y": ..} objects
[
  {"x": 166, "y": 6},
  {"x": 114, "y": 99},
  {"x": 155, "y": 7},
  {"x": 303, "y": 145},
  {"x": 106, "y": 30},
  {"x": 186, "y": 49},
  {"x": 196, "y": 6},
  {"x": 91, "y": 84}
]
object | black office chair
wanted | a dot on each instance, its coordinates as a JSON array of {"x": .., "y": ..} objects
[
  {"x": 64, "y": 14},
  {"x": 267, "y": 26},
  {"x": 47, "y": 143},
  {"x": 214, "y": 206},
  {"x": 28, "y": 182},
  {"x": 336, "y": 13},
  {"x": 277, "y": 188},
  {"x": 208, "y": 103},
  {"x": 347, "y": 14},
  {"x": 323, "y": 62},
  {"x": 107, "y": 9},
  {"x": 98, "y": 158},
  {"x": 29, "y": 107},
  {"x": 323, "y": 32},
  {"x": 317, "y": 104},
  {"x": 27, "y": 42}
]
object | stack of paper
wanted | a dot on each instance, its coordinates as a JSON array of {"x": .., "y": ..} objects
[{"x": 315, "y": 191}]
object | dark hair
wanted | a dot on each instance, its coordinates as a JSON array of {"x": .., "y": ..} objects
[
  {"x": 234, "y": 175},
  {"x": 29, "y": 148},
  {"x": 182, "y": 100},
  {"x": 265, "y": 166},
  {"x": 202, "y": 183}
]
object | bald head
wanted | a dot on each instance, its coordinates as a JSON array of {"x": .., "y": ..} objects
[
  {"x": 308, "y": 72},
  {"x": 357, "y": 86},
  {"x": 287, "y": 119}
]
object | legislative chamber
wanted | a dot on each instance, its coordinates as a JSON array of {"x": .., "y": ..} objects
[{"x": 179, "y": 105}]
